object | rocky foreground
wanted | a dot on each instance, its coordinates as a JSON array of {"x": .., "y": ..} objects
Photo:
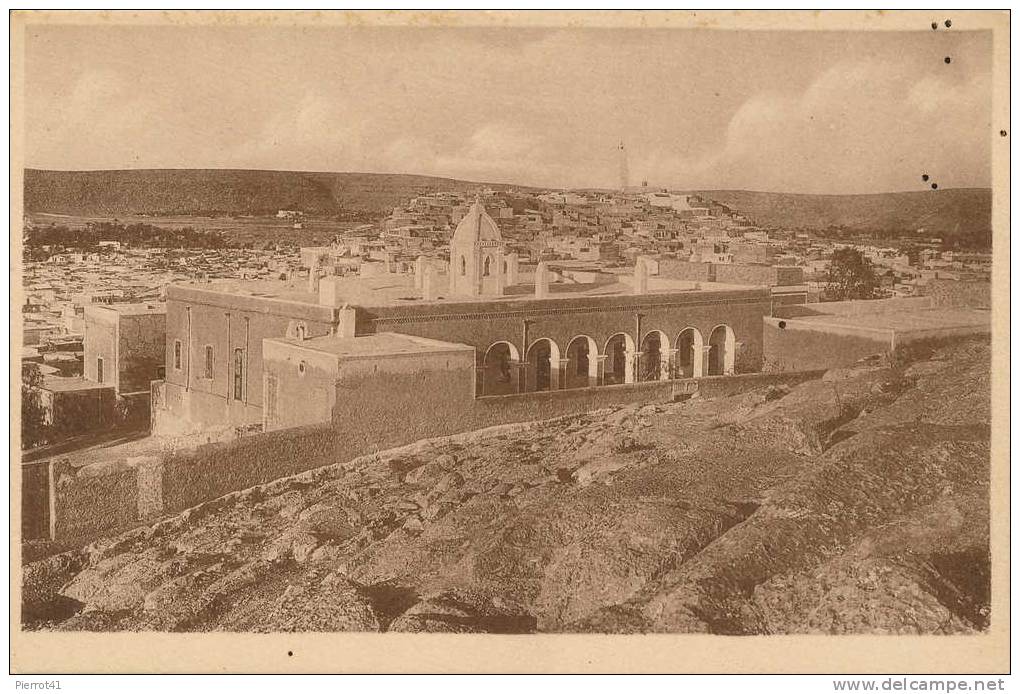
[{"x": 853, "y": 503}]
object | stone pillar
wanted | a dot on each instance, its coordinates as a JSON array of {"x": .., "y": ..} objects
[
  {"x": 430, "y": 285},
  {"x": 706, "y": 351},
  {"x": 600, "y": 365},
  {"x": 641, "y": 276},
  {"x": 669, "y": 364},
  {"x": 313, "y": 278},
  {"x": 346, "y": 321},
  {"x": 419, "y": 271},
  {"x": 632, "y": 362},
  {"x": 560, "y": 372},
  {"x": 737, "y": 347},
  {"x": 542, "y": 281},
  {"x": 530, "y": 377},
  {"x": 512, "y": 266},
  {"x": 479, "y": 380},
  {"x": 517, "y": 374}
]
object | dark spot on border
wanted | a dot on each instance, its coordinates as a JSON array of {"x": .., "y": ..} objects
[
  {"x": 934, "y": 186},
  {"x": 949, "y": 23},
  {"x": 1002, "y": 133},
  {"x": 934, "y": 26},
  {"x": 290, "y": 653},
  {"x": 924, "y": 177},
  {"x": 948, "y": 60}
]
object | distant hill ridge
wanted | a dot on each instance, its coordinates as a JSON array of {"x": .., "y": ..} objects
[
  {"x": 962, "y": 212},
  {"x": 949, "y": 212},
  {"x": 232, "y": 191}
]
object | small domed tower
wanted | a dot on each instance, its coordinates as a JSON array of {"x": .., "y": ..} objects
[{"x": 477, "y": 263}]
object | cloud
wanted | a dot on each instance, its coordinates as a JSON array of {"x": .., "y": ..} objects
[
  {"x": 548, "y": 108},
  {"x": 861, "y": 126}
]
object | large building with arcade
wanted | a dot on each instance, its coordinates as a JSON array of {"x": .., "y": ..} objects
[{"x": 285, "y": 353}]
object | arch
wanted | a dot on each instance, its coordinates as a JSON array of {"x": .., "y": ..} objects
[
  {"x": 463, "y": 265},
  {"x": 543, "y": 365},
  {"x": 721, "y": 347},
  {"x": 582, "y": 368},
  {"x": 486, "y": 266},
  {"x": 506, "y": 268},
  {"x": 498, "y": 374},
  {"x": 654, "y": 364},
  {"x": 619, "y": 354},
  {"x": 690, "y": 354}
]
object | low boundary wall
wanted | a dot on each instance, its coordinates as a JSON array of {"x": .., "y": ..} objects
[{"x": 85, "y": 503}]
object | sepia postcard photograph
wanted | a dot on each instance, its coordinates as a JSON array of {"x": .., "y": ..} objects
[{"x": 510, "y": 341}]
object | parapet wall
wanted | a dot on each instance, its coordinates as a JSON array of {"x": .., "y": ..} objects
[
  {"x": 89, "y": 502},
  {"x": 802, "y": 345},
  {"x": 960, "y": 293},
  {"x": 857, "y": 307}
]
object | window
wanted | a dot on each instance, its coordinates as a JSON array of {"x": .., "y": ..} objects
[
  {"x": 208, "y": 361},
  {"x": 177, "y": 354},
  {"x": 301, "y": 367},
  {"x": 301, "y": 331},
  {"x": 238, "y": 374},
  {"x": 463, "y": 266},
  {"x": 99, "y": 369},
  {"x": 505, "y": 270},
  {"x": 271, "y": 397},
  {"x": 485, "y": 269}
]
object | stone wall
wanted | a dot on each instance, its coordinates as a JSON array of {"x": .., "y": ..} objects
[
  {"x": 960, "y": 293},
  {"x": 481, "y": 324},
  {"x": 86, "y": 501},
  {"x": 141, "y": 351},
  {"x": 796, "y": 345},
  {"x": 199, "y": 318},
  {"x": 855, "y": 307},
  {"x": 100, "y": 499},
  {"x": 766, "y": 275},
  {"x": 684, "y": 270}
]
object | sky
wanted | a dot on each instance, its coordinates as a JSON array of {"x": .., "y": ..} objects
[{"x": 799, "y": 112}]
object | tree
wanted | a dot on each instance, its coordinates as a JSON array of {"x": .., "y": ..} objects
[
  {"x": 850, "y": 276},
  {"x": 33, "y": 416}
]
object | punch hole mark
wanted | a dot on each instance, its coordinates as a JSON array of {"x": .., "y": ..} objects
[
  {"x": 290, "y": 654},
  {"x": 949, "y": 23},
  {"x": 925, "y": 177},
  {"x": 1002, "y": 133},
  {"x": 934, "y": 186},
  {"x": 948, "y": 60}
]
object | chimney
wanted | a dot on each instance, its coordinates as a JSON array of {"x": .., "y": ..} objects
[
  {"x": 512, "y": 267},
  {"x": 430, "y": 284},
  {"x": 641, "y": 276},
  {"x": 346, "y": 321},
  {"x": 313, "y": 278},
  {"x": 329, "y": 291},
  {"x": 542, "y": 281},
  {"x": 419, "y": 271}
]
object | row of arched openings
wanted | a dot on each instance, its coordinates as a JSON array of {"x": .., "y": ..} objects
[{"x": 504, "y": 372}]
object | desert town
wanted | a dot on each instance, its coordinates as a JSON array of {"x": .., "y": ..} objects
[
  {"x": 170, "y": 379},
  {"x": 77, "y": 300}
]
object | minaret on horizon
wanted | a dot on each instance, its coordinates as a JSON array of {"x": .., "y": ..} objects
[{"x": 624, "y": 173}]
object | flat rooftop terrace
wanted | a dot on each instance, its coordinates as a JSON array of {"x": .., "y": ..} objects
[
  {"x": 897, "y": 327},
  {"x": 399, "y": 290},
  {"x": 905, "y": 321},
  {"x": 374, "y": 345}
]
